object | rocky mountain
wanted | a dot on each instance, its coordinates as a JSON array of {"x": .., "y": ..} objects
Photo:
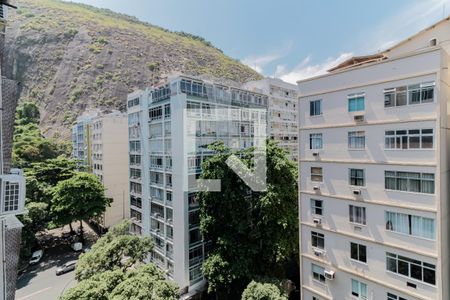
[{"x": 72, "y": 57}]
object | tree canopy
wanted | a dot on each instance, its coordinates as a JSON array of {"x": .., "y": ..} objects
[
  {"x": 114, "y": 269},
  {"x": 263, "y": 291},
  {"x": 80, "y": 197},
  {"x": 118, "y": 249},
  {"x": 29, "y": 143},
  {"x": 263, "y": 224}
]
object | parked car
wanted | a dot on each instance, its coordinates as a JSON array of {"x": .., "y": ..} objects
[
  {"x": 36, "y": 257},
  {"x": 67, "y": 267},
  {"x": 77, "y": 246}
]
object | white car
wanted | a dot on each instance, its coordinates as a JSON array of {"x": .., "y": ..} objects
[
  {"x": 36, "y": 257},
  {"x": 67, "y": 267}
]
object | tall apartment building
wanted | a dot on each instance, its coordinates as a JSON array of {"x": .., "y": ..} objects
[
  {"x": 169, "y": 125},
  {"x": 109, "y": 156},
  {"x": 374, "y": 174},
  {"x": 81, "y": 140},
  {"x": 100, "y": 143},
  {"x": 283, "y": 111},
  {"x": 12, "y": 182}
]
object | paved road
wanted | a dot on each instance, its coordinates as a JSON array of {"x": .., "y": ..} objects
[{"x": 41, "y": 283}]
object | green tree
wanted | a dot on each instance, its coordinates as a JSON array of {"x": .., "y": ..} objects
[
  {"x": 118, "y": 249},
  {"x": 77, "y": 198},
  {"x": 115, "y": 269},
  {"x": 263, "y": 291},
  {"x": 29, "y": 143},
  {"x": 145, "y": 282},
  {"x": 34, "y": 220},
  {"x": 42, "y": 177},
  {"x": 263, "y": 224}
]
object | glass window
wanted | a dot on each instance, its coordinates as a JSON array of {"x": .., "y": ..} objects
[
  {"x": 356, "y": 139},
  {"x": 357, "y": 214},
  {"x": 316, "y": 174},
  {"x": 315, "y": 108},
  {"x": 358, "y": 252},
  {"x": 410, "y": 224},
  {"x": 356, "y": 177},
  {"x": 356, "y": 103},
  {"x": 315, "y": 141},
  {"x": 409, "y": 181},
  {"x": 411, "y": 268},
  {"x": 317, "y": 207},
  {"x": 318, "y": 273},
  {"x": 317, "y": 240},
  {"x": 391, "y": 296},
  {"x": 409, "y": 139},
  {"x": 359, "y": 289},
  {"x": 409, "y": 95}
]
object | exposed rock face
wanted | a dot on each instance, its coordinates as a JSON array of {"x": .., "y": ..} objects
[{"x": 71, "y": 57}]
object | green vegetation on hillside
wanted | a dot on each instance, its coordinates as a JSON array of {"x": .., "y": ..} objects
[{"x": 71, "y": 57}]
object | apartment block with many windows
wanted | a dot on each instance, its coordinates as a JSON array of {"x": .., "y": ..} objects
[
  {"x": 109, "y": 162},
  {"x": 374, "y": 179},
  {"x": 283, "y": 111},
  {"x": 100, "y": 144},
  {"x": 170, "y": 126}
]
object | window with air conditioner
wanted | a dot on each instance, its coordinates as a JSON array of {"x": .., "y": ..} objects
[
  {"x": 356, "y": 177},
  {"x": 357, "y": 214},
  {"x": 317, "y": 207},
  {"x": 356, "y": 102},
  {"x": 317, "y": 240},
  {"x": 315, "y": 141},
  {"x": 316, "y": 174},
  {"x": 318, "y": 273}
]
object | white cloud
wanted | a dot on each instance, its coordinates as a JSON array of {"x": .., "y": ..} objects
[
  {"x": 258, "y": 63},
  {"x": 305, "y": 70}
]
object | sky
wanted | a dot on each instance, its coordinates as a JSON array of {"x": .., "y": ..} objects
[{"x": 289, "y": 39}]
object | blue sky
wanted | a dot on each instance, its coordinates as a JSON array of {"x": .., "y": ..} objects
[{"x": 289, "y": 39}]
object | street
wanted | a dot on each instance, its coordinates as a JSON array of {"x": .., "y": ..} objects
[{"x": 40, "y": 282}]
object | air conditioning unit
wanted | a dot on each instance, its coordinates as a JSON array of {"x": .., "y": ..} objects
[
  {"x": 359, "y": 118},
  {"x": 317, "y": 221},
  {"x": 156, "y": 215},
  {"x": 330, "y": 275},
  {"x": 356, "y": 192},
  {"x": 315, "y": 154},
  {"x": 316, "y": 188},
  {"x": 318, "y": 252},
  {"x": 169, "y": 220}
]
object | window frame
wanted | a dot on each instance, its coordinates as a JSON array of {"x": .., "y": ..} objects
[
  {"x": 354, "y": 216},
  {"x": 320, "y": 276},
  {"x": 317, "y": 240},
  {"x": 315, "y": 110},
  {"x": 358, "y": 294},
  {"x": 395, "y": 140},
  {"x": 316, "y": 174},
  {"x": 314, "y": 207},
  {"x": 407, "y": 262},
  {"x": 358, "y": 97},
  {"x": 314, "y": 140},
  {"x": 353, "y": 180},
  {"x": 354, "y": 139},
  {"x": 358, "y": 252},
  {"x": 400, "y": 181},
  {"x": 406, "y": 91}
]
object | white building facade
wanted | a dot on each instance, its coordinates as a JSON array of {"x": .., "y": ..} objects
[
  {"x": 169, "y": 127},
  {"x": 374, "y": 178},
  {"x": 283, "y": 111},
  {"x": 109, "y": 162},
  {"x": 100, "y": 144}
]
